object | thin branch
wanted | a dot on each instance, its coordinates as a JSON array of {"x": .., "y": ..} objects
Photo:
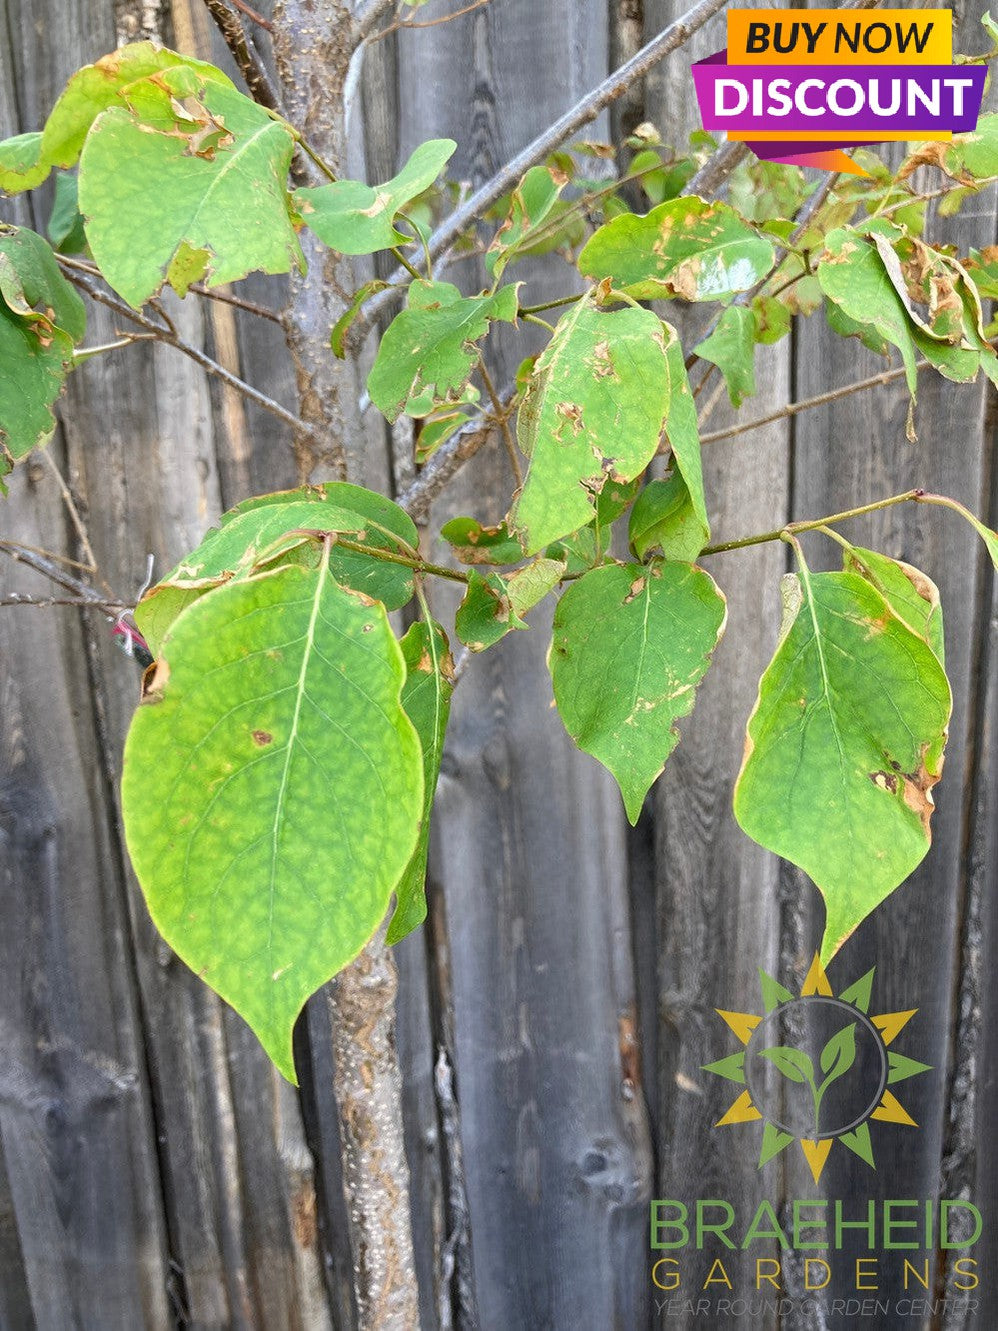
[
  {"x": 227, "y": 298},
  {"x": 171, "y": 339},
  {"x": 791, "y": 529},
  {"x": 247, "y": 58},
  {"x": 401, "y": 24},
  {"x": 806, "y": 404},
  {"x": 714, "y": 172},
  {"x": 368, "y": 18},
  {"x": 79, "y": 525},
  {"x": 390, "y": 557},
  {"x": 584, "y": 111},
  {"x": 502, "y": 419},
  {"x": 42, "y": 562},
  {"x": 251, "y": 14},
  {"x": 109, "y": 607}
]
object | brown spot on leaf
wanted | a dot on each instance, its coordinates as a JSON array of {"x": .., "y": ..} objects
[
  {"x": 917, "y": 793},
  {"x": 885, "y": 781},
  {"x": 571, "y": 414},
  {"x": 262, "y": 737},
  {"x": 154, "y": 681},
  {"x": 637, "y": 587}
]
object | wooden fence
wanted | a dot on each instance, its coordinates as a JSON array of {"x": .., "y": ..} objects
[{"x": 555, "y": 1013}]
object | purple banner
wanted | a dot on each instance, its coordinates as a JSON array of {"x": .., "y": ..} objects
[{"x": 840, "y": 100}]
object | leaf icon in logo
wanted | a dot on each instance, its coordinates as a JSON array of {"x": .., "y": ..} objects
[
  {"x": 838, "y": 1055},
  {"x": 836, "y": 1059},
  {"x": 793, "y": 1063}
]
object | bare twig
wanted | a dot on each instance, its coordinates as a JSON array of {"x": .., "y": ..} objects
[
  {"x": 712, "y": 175},
  {"x": 252, "y": 68},
  {"x": 79, "y": 525},
  {"x": 171, "y": 339},
  {"x": 502, "y": 420},
  {"x": 368, "y": 18},
  {"x": 251, "y": 14},
  {"x": 84, "y": 602},
  {"x": 584, "y": 111},
  {"x": 45, "y": 563},
  {"x": 791, "y": 529},
  {"x": 399, "y": 24},
  {"x": 806, "y": 404},
  {"x": 227, "y": 298}
]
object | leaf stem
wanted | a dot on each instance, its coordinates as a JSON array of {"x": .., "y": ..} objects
[
  {"x": 550, "y": 304},
  {"x": 410, "y": 268},
  {"x": 791, "y": 529},
  {"x": 390, "y": 557}
]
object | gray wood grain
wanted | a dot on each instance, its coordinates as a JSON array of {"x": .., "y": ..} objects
[{"x": 555, "y": 1013}]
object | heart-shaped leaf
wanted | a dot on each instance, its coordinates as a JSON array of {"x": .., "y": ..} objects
[
  {"x": 273, "y": 789},
  {"x": 595, "y": 409},
  {"x": 844, "y": 746},
  {"x": 630, "y": 645}
]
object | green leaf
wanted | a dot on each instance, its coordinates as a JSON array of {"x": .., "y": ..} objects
[
  {"x": 852, "y": 274},
  {"x": 429, "y": 683},
  {"x": 844, "y": 746},
  {"x": 160, "y": 607},
  {"x": 762, "y": 191},
  {"x": 65, "y": 228},
  {"x": 529, "y": 585},
  {"x": 772, "y": 319},
  {"x": 684, "y": 247},
  {"x": 341, "y": 328},
  {"x": 436, "y": 430},
  {"x": 682, "y": 430},
  {"x": 472, "y": 543},
  {"x": 21, "y": 166},
  {"x": 118, "y": 79},
  {"x": 273, "y": 789},
  {"x": 429, "y": 349},
  {"x": 41, "y": 319},
  {"x": 354, "y": 218},
  {"x": 839, "y": 322},
  {"x": 975, "y": 154},
  {"x": 838, "y": 1055},
  {"x": 577, "y": 552},
  {"x": 218, "y": 174},
  {"x": 486, "y": 614},
  {"x": 793, "y": 1063},
  {"x": 530, "y": 203},
  {"x": 630, "y": 645},
  {"x": 731, "y": 347},
  {"x": 595, "y": 409},
  {"x": 280, "y": 526},
  {"x": 911, "y": 595},
  {"x": 663, "y": 518}
]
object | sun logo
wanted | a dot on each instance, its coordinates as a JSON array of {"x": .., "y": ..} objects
[{"x": 816, "y": 1068}]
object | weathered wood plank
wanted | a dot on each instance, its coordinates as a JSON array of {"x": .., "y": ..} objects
[
  {"x": 718, "y": 894},
  {"x": 529, "y": 847},
  {"x": 77, "y": 1124},
  {"x": 849, "y": 453}
]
